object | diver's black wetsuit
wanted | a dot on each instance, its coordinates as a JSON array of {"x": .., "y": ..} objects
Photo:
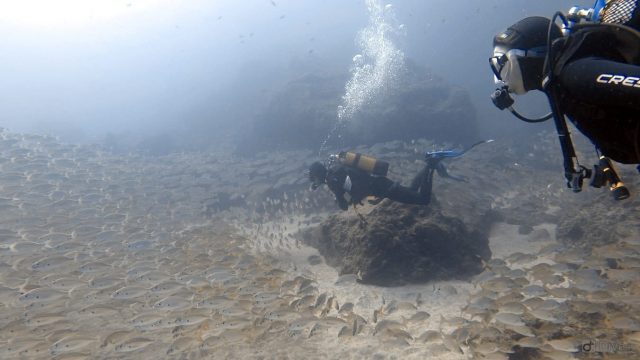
[
  {"x": 597, "y": 86},
  {"x": 360, "y": 185},
  {"x": 608, "y": 114}
]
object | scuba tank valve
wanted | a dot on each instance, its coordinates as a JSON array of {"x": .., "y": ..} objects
[{"x": 592, "y": 14}]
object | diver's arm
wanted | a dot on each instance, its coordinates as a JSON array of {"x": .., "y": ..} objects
[
  {"x": 602, "y": 82},
  {"x": 342, "y": 203},
  {"x": 335, "y": 180},
  {"x": 340, "y": 199}
]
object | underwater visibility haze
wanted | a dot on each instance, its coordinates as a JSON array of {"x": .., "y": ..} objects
[{"x": 155, "y": 200}]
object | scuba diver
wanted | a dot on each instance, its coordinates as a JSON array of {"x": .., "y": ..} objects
[
  {"x": 352, "y": 177},
  {"x": 590, "y": 73}
]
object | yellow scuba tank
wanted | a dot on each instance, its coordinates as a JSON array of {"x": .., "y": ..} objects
[{"x": 365, "y": 163}]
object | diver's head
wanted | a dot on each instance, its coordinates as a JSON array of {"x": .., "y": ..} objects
[
  {"x": 519, "y": 54},
  {"x": 317, "y": 174}
]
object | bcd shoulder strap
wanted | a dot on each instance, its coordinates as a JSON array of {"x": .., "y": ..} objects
[{"x": 608, "y": 41}]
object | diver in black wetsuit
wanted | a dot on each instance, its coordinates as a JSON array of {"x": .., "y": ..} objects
[
  {"x": 351, "y": 185},
  {"x": 590, "y": 74}
]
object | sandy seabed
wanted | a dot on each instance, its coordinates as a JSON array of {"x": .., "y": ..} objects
[{"x": 105, "y": 256}]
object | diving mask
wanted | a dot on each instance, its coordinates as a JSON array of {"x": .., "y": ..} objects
[{"x": 510, "y": 68}]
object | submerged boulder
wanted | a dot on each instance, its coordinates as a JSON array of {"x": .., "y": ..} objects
[{"x": 400, "y": 244}]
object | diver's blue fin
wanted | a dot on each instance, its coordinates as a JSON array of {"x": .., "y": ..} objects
[{"x": 441, "y": 154}]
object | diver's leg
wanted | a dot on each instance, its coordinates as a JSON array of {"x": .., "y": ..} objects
[
  {"x": 419, "y": 194},
  {"x": 427, "y": 185},
  {"x": 407, "y": 195},
  {"x": 442, "y": 171},
  {"x": 418, "y": 179},
  {"x": 380, "y": 186}
]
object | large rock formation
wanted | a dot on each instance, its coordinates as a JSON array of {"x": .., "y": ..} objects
[
  {"x": 304, "y": 112},
  {"x": 400, "y": 244}
]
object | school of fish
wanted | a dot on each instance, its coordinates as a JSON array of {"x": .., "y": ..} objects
[{"x": 119, "y": 256}]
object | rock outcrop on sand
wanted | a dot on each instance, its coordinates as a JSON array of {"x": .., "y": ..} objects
[
  {"x": 505, "y": 186},
  {"x": 399, "y": 244}
]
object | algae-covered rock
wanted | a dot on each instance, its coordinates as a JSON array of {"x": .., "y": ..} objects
[{"x": 398, "y": 244}]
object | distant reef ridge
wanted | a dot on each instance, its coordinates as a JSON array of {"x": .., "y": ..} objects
[{"x": 304, "y": 112}]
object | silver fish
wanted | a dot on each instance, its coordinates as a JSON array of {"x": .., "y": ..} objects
[
  {"x": 172, "y": 303},
  {"x": 134, "y": 344},
  {"x": 129, "y": 292},
  {"x": 51, "y": 263},
  {"x": 39, "y": 295},
  {"x": 72, "y": 344}
]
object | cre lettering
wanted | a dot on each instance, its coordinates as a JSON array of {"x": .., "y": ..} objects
[{"x": 629, "y": 81}]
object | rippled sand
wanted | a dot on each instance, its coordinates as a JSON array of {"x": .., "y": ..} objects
[{"x": 105, "y": 256}]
